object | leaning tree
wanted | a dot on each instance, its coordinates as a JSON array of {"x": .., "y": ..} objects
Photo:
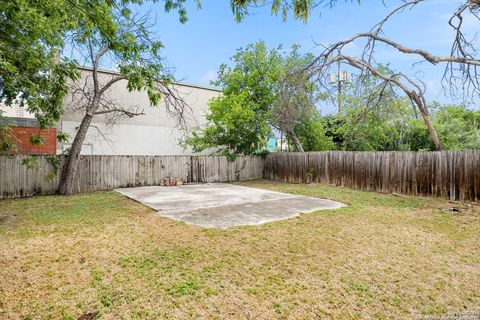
[
  {"x": 296, "y": 96},
  {"x": 33, "y": 34},
  {"x": 140, "y": 68},
  {"x": 460, "y": 75}
]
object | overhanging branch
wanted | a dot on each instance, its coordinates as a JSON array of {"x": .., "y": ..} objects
[{"x": 403, "y": 49}]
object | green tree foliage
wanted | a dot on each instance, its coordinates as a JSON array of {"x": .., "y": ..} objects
[
  {"x": 32, "y": 32},
  {"x": 300, "y": 9},
  {"x": 33, "y": 73},
  {"x": 233, "y": 127},
  {"x": 377, "y": 117},
  {"x": 7, "y": 145},
  {"x": 400, "y": 129},
  {"x": 137, "y": 54},
  {"x": 256, "y": 70},
  {"x": 294, "y": 110},
  {"x": 458, "y": 126},
  {"x": 369, "y": 129},
  {"x": 239, "y": 119},
  {"x": 312, "y": 133},
  {"x": 32, "y": 37},
  {"x": 264, "y": 89}
]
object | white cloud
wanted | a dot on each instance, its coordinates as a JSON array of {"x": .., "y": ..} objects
[{"x": 211, "y": 75}]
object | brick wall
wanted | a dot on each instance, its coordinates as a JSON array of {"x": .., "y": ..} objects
[{"x": 21, "y": 135}]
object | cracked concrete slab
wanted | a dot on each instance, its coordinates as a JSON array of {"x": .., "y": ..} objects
[{"x": 221, "y": 205}]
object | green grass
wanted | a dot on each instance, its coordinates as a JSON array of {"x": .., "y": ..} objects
[{"x": 382, "y": 257}]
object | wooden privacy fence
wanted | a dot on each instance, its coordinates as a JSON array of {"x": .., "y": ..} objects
[
  {"x": 109, "y": 172},
  {"x": 451, "y": 174}
]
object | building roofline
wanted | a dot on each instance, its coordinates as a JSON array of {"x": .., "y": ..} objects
[
  {"x": 20, "y": 122},
  {"x": 196, "y": 86}
]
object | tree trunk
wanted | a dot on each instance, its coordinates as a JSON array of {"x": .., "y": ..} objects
[
  {"x": 298, "y": 145},
  {"x": 422, "y": 107},
  {"x": 431, "y": 129},
  {"x": 69, "y": 171}
]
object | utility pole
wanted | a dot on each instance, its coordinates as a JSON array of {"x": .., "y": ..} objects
[{"x": 339, "y": 79}]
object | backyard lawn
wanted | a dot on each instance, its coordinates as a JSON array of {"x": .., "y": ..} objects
[{"x": 382, "y": 257}]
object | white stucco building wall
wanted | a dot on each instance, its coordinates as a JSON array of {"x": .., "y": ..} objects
[
  {"x": 154, "y": 133},
  {"x": 15, "y": 111}
]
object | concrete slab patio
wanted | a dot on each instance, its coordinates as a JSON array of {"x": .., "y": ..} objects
[{"x": 221, "y": 205}]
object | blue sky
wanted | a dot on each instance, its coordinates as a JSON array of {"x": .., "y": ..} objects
[{"x": 211, "y": 35}]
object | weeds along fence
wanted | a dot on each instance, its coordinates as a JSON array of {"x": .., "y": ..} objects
[
  {"x": 109, "y": 172},
  {"x": 450, "y": 174}
]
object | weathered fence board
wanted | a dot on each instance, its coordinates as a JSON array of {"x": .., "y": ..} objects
[
  {"x": 448, "y": 174},
  {"x": 451, "y": 174},
  {"x": 109, "y": 172}
]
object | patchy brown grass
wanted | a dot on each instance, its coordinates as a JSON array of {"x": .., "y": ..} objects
[{"x": 383, "y": 257}]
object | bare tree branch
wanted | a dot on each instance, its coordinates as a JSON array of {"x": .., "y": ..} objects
[
  {"x": 423, "y": 53},
  {"x": 412, "y": 89},
  {"x": 111, "y": 82},
  {"x": 461, "y": 66},
  {"x": 128, "y": 113},
  {"x": 96, "y": 62}
]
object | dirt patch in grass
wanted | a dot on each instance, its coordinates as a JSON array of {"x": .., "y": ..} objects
[
  {"x": 7, "y": 220},
  {"x": 61, "y": 258}
]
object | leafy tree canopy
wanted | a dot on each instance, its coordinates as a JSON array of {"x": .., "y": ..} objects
[
  {"x": 294, "y": 110},
  {"x": 458, "y": 126},
  {"x": 234, "y": 127},
  {"x": 300, "y": 9},
  {"x": 312, "y": 133},
  {"x": 34, "y": 33},
  {"x": 377, "y": 119},
  {"x": 239, "y": 119},
  {"x": 263, "y": 89}
]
